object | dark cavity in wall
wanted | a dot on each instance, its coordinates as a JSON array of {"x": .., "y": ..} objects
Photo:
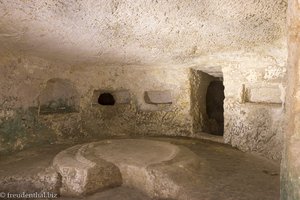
[
  {"x": 214, "y": 105},
  {"x": 207, "y": 95},
  {"x": 106, "y": 99}
]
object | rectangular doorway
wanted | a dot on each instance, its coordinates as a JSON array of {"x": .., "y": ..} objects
[{"x": 207, "y": 103}]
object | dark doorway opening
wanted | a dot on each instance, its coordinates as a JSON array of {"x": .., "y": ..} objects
[
  {"x": 106, "y": 99},
  {"x": 214, "y": 106}
]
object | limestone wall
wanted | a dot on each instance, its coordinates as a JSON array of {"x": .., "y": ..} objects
[
  {"x": 144, "y": 31},
  {"x": 254, "y": 107},
  {"x": 199, "y": 84},
  {"x": 290, "y": 165},
  {"x": 43, "y": 101},
  {"x": 136, "y": 46},
  {"x": 254, "y": 103}
]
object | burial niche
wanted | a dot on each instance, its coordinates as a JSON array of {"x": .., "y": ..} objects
[
  {"x": 106, "y": 99},
  {"x": 59, "y": 96}
]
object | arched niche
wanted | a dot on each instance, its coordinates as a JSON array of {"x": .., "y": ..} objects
[{"x": 59, "y": 96}]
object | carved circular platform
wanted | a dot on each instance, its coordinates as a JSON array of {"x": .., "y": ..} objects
[{"x": 146, "y": 165}]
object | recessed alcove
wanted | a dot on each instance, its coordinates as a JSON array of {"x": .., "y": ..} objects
[
  {"x": 158, "y": 97},
  {"x": 111, "y": 97},
  {"x": 106, "y": 99},
  {"x": 207, "y": 101},
  {"x": 58, "y": 96}
]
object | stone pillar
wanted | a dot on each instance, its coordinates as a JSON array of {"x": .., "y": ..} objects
[{"x": 290, "y": 168}]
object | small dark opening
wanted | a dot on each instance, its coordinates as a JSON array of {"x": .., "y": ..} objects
[
  {"x": 214, "y": 105},
  {"x": 106, "y": 99}
]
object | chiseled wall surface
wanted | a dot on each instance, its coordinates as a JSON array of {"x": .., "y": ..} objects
[
  {"x": 144, "y": 31},
  {"x": 253, "y": 122},
  {"x": 290, "y": 166},
  {"x": 23, "y": 79},
  {"x": 199, "y": 83},
  {"x": 254, "y": 106},
  {"x": 245, "y": 39}
]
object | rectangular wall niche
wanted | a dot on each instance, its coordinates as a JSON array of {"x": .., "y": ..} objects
[
  {"x": 268, "y": 94},
  {"x": 109, "y": 97},
  {"x": 158, "y": 97}
]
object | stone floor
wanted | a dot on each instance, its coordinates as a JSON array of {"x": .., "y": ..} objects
[{"x": 221, "y": 172}]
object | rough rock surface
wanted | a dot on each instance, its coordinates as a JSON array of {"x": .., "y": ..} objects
[
  {"x": 290, "y": 166},
  {"x": 84, "y": 175},
  {"x": 140, "y": 46},
  {"x": 30, "y": 171},
  {"x": 59, "y": 96},
  {"x": 22, "y": 124},
  {"x": 158, "y": 97},
  {"x": 135, "y": 32},
  {"x": 234, "y": 174},
  {"x": 255, "y": 128},
  {"x": 123, "y": 193},
  {"x": 91, "y": 167},
  {"x": 199, "y": 82}
]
